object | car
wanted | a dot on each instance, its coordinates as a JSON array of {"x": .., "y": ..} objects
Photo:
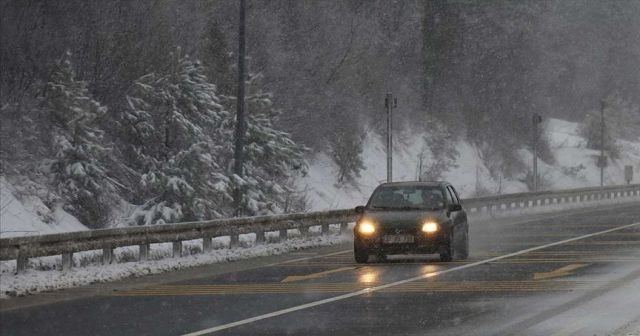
[{"x": 412, "y": 218}]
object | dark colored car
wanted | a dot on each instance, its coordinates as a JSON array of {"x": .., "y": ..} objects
[{"x": 412, "y": 218}]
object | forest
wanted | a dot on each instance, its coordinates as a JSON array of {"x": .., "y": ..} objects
[{"x": 128, "y": 106}]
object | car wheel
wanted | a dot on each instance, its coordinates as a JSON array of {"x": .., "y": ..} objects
[
  {"x": 446, "y": 251},
  {"x": 361, "y": 254},
  {"x": 462, "y": 248},
  {"x": 381, "y": 257}
]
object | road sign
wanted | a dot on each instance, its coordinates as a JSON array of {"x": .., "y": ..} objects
[{"x": 628, "y": 174}]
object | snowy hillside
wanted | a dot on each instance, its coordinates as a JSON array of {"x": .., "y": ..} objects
[
  {"x": 23, "y": 215},
  {"x": 574, "y": 168},
  {"x": 26, "y": 215}
]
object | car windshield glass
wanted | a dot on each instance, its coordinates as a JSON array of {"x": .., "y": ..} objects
[{"x": 408, "y": 198}]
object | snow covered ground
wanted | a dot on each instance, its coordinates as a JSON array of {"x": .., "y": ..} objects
[
  {"x": 574, "y": 168},
  {"x": 44, "y": 274},
  {"x": 22, "y": 214}
]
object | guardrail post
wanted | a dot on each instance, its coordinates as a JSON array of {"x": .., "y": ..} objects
[
  {"x": 177, "y": 249},
  {"x": 344, "y": 227},
  {"x": 207, "y": 244},
  {"x": 107, "y": 255},
  {"x": 143, "y": 251},
  {"x": 260, "y": 238},
  {"x": 234, "y": 240},
  {"x": 325, "y": 229},
  {"x": 67, "y": 261},
  {"x": 282, "y": 234},
  {"x": 21, "y": 262}
]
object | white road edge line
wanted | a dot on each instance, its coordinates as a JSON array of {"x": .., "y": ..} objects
[
  {"x": 397, "y": 283},
  {"x": 543, "y": 216}
]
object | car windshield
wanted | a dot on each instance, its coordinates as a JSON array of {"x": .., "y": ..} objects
[{"x": 408, "y": 198}]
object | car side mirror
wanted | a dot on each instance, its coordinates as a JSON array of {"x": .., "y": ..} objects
[
  {"x": 359, "y": 209},
  {"x": 455, "y": 207}
]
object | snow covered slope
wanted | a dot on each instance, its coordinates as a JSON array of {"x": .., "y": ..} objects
[
  {"x": 27, "y": 215},
  {"x": 574, "y": 168}
]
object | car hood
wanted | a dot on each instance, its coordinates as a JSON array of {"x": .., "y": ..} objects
[{"x": 405, "y": 218}]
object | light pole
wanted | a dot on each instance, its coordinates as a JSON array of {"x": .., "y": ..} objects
[
  {"x": 390, "y": 103},
  {"x": 602, "y": 158},
  {"x": 537, "y": 119}
]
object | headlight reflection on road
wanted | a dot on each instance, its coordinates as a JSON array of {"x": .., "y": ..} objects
[
  {"x": 429, "y": 269},
  {"x": 369, "y": 276}
]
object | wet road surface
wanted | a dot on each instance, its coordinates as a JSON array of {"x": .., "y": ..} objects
[{"x": 523, "y": 274}]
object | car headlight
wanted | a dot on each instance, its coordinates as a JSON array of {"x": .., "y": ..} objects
[
  {"x": 366, "y": 228},
  {"x": 430, "y": 227}
]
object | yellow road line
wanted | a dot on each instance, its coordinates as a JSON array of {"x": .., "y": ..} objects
[{"x": 422, "y": 286}]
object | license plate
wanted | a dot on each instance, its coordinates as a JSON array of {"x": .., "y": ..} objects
[{"x": 397, "y": 239}]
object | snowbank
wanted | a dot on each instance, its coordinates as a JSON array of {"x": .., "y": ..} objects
[{"x": 44, "y": 274}]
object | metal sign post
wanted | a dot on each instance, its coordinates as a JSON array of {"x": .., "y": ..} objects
[
  {"x": 390, "y": 103},
  {"x": 537, "y": 119}
]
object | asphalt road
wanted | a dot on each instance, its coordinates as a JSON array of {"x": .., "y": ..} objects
[{"x": 571, "y": 273}]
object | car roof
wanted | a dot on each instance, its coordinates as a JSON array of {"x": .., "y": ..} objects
[{"x": 415, "y": 184}]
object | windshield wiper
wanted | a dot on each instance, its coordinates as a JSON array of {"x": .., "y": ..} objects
[
  {"x": 381, "y": 207},
  {"x": 410, "y": 208}
]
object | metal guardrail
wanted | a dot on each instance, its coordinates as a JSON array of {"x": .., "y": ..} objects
[{"x": 65, "y": 244}]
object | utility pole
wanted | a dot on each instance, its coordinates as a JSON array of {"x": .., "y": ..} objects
[
  {"x": 240, "y": 118},
  {"x": 537, "y": 119},
  {"x": 602, "y": 158},
  {"x": 420, "y": 159},
  {"x": 390, "y": 103},
  {"x": 477, "y": 180}
]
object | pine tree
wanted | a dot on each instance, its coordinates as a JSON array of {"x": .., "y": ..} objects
[
  {"x": 345, "y": 147},
  {"x": 217, "y": 59},
  {"x": 272, "y": 158},
  {"x": 591, "y": 130},
  {"x": 441, "y": 143},
  {"x": 174, "y": 122},
  {"x": 79, "y": 155}
]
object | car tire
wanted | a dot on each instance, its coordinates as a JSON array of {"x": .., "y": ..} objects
[
  {"x": 381, "y": 257},
  {"x": 462, "y": 248},
  {"x": 361, "y": 254},
  {"x": 446, "y": 251},
  {"x": 445, "y": 255}
]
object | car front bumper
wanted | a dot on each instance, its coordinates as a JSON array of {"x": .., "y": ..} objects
[{"x": 422, "y": 244}]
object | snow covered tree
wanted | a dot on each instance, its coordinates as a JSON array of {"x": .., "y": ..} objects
[
  {"x": 621, "y": 120},
  {"x": 345, "y": 147},
  {"x": 272, "y": 158},
  {"x": 174, "y": 122},
  {"x": 79, "y": 154},
  {"x": 623, "y": 117},
  {"x": 440, "y": 141}
]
